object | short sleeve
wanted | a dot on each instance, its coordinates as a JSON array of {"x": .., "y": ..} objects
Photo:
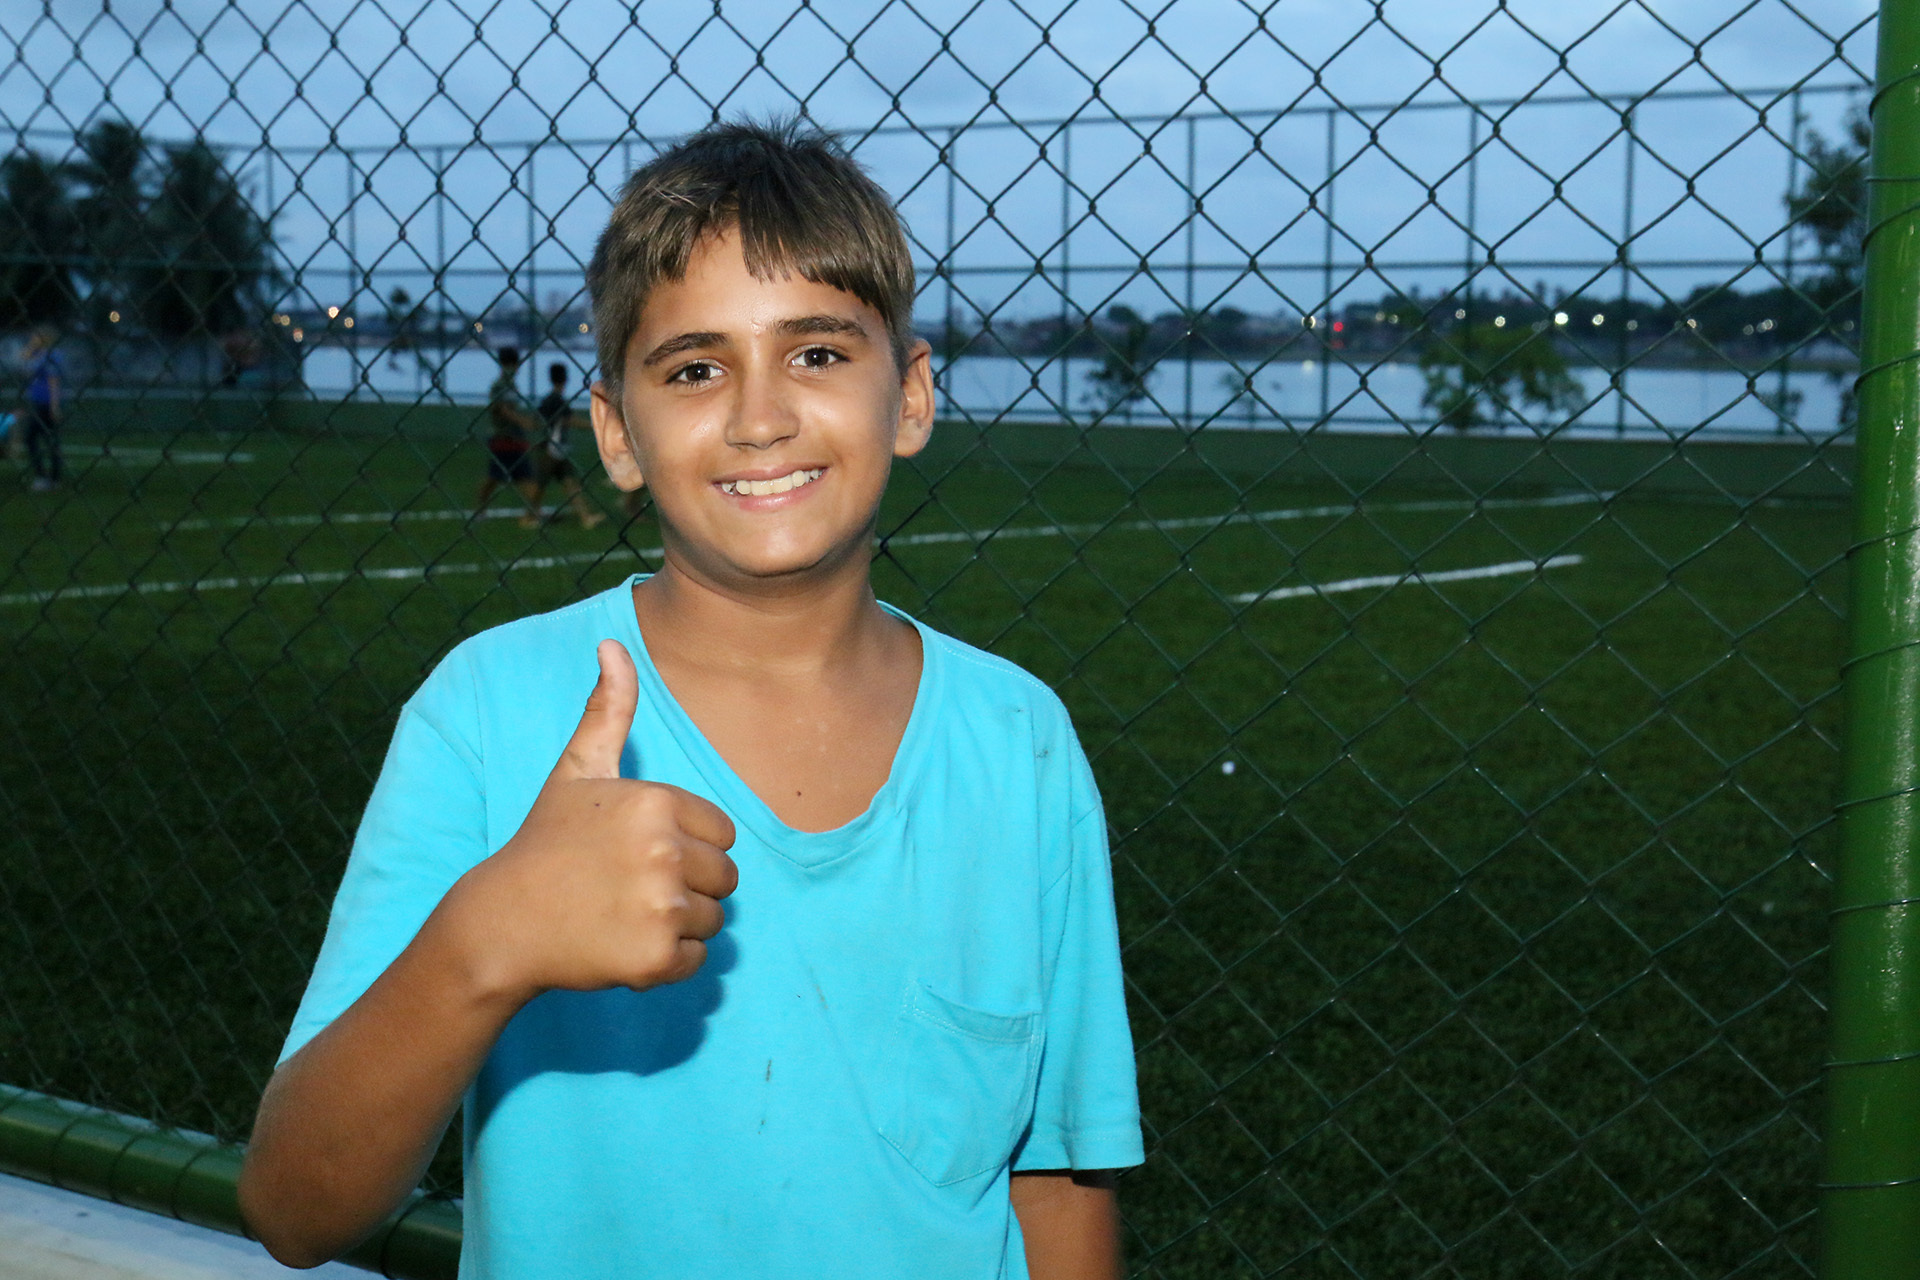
[
  {"x": 424, "y": 827},
  {"x": 1086, "y": 1107}
]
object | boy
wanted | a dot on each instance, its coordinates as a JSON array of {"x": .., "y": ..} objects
[
  {"x": 900, "y": 1049},
  {"x": 42, "y": 412},
  {"x": 557, "y": 464},
  {"x": 510, "y": 443}
]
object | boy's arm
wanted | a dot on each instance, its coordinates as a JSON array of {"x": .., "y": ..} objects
[
  {"x": 347, "y": 1125},
  {"x": 609, "y": 882},
  {"x": 1070, "y": 1221}
]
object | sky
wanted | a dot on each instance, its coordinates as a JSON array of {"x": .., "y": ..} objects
[{"x": 437, "y": 96}]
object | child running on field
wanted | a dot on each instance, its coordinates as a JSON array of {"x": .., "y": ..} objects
[
  {"x": 509, "y": 446},
  {"x": 556, "y": 411},
  {"x": 793, "y": 952},
  {"x": 43, "y": 409}
]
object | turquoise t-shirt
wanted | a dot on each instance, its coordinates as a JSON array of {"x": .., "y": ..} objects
[{"x": 898, "y": 1013}]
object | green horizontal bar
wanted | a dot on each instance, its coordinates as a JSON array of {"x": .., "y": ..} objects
[{"x": 192, "y": 1177}]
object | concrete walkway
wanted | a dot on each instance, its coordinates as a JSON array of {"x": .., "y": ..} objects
[{"x": 50, "y": 1234}]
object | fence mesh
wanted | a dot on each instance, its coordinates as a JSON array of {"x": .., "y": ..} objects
[{"x": 1416, "y": 444}]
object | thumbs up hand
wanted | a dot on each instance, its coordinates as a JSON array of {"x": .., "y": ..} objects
[{"x": 609, "y": 882}]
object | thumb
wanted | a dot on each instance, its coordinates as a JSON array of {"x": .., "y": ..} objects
[{"x": 594, "y": 750}]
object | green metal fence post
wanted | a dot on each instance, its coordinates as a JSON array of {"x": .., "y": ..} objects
[{"x": 1871, "y": 1199}]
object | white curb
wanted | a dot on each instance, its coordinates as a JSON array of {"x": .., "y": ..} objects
[{"x": 50, "y": 1234}]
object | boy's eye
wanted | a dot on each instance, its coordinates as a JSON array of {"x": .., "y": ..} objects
[
  {"x": 697, "y": 372},
  {"x": 819, "y": 358}
]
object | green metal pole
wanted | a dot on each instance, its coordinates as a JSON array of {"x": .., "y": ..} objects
[
  {"x": 192, "y": 1177},
  {"x": 1870, "y": 1202}
]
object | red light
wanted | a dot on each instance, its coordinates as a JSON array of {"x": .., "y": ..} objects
[{"x": 1339, "y": 326}]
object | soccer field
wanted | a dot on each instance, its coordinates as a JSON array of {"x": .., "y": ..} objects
[{"x": 1466, "y": 843}]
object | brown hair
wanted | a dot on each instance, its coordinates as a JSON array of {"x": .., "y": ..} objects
[{"x": 799, "y": 202}]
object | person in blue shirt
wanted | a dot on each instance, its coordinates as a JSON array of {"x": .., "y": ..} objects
[
  {"x": 44, "y": 409},
  {"x": 794, "y": 952}
]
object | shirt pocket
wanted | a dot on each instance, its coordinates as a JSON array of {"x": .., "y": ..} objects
[{"x": 960, "y": 1086}]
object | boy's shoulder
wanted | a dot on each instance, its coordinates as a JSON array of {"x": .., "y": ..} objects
[
  {"x": 534, "y": 634},
  {"x": 524, "y": 652},
  {"x": 978, "y": 680},
  {"x": 978, "y": 667}
]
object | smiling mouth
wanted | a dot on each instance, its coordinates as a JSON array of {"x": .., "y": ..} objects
[{"x": 763, "y": 488}]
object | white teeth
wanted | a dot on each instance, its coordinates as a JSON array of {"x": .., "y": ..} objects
[{"x": 762, "y": 488}]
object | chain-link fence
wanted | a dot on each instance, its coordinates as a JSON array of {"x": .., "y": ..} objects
[{"x": 1418, "y": 451}]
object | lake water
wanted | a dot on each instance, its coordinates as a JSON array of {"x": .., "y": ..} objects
[{"x": 1295, "y": 394}]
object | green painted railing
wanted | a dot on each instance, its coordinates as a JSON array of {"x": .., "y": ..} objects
[{"x": 192, "y": 1177}]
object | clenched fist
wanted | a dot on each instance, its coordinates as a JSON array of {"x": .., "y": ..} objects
[{"x": 609, "y": 882}]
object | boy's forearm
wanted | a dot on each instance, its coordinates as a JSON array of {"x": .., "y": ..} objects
[
  {"x": 348, "y": 1124},
  {"x": 1070, "y": 1223}
]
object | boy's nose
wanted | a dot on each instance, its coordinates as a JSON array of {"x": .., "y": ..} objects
[{"x": 763, "y": 415}]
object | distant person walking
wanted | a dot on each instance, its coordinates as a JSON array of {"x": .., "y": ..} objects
[
  {"x": 556, "y": 464},
  {"x": 44, "y": 409},
  {"x": 510, "y": 446}
]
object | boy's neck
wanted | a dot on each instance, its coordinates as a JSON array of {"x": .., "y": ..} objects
[{"x": 799, "y": 632}]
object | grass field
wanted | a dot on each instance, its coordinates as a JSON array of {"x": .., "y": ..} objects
[{"x": 1496, "y": 952}]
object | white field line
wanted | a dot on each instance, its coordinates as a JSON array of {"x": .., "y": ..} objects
[
  {"x": 1238, "y": 517},
  {"x": 929, "y": 539},
  {"x": 313, "y": 578},
  {"x": 421, "y": 573},
  {"x": 1505, "y": 569},
  {"x": 502, "y": 512},
  {"x": 117, "y": 454}
]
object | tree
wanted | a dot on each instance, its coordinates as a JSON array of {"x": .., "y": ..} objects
[
  {"x": 37, "y": 233},
  {"x": 214, "y": 251},
  {"x": 1476, "y": 375},
  {"x": 112, "y": 177},
  {"x": 1121, "y": 379},
  {"x": 1832, "y": 205},
  {"x": 1221, "y": 332}
]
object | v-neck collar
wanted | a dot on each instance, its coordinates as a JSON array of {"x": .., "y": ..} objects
[{"x": 811, "y": 849}]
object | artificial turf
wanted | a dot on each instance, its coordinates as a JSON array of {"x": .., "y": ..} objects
[{"x": 1495, "y": 952}]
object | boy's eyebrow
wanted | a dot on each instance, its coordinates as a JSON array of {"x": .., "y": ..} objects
[
  {"x": 792, "y": 326},
  {"x": 799, "y": 326},
  {"x": 683, "y": 342}
]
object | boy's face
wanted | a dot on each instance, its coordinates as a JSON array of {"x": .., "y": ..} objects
[{"x": 764, "y": 416}]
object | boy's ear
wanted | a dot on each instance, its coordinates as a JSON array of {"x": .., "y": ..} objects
[
  {"x": 616, "y": 446},
  {"x": 916, "y": 401}
]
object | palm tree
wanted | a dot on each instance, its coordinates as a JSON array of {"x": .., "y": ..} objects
[
  {"x": 37, "y": 232},
  {"x": 112, "y": 176},
  {"x": 213, "y": 250}
]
